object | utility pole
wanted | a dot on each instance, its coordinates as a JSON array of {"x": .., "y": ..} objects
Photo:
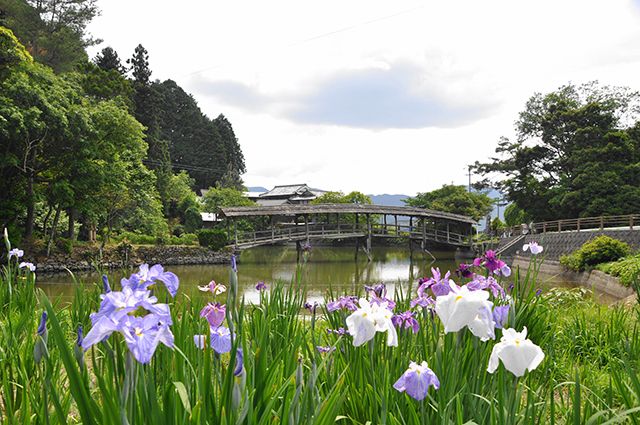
[{"x": 469, "y": 187}]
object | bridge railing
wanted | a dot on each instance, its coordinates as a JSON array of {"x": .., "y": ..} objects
[
  {"x": 630, "y": 222},
  {"x": 334, "y": 229}
]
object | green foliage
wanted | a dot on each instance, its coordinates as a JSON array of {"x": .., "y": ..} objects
[
  {"x": 340, "y": 198},
  {"x": 598, "y": 250},
  {"x": 214, "y": 239},
  {"x": 576, "y": 155},
  {"x": 12, "y": 52},
  {"x": 497, "y": 224},
  {"x": 454, "y": 199},
  {"x": 54, "y": 31},
  {"x": 627, "y": 269},
  {"x": 514, "y": 216},
  {"x": 215, "y": 198}
]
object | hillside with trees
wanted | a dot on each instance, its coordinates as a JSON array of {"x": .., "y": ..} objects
[{"x": 95, "y": 148}]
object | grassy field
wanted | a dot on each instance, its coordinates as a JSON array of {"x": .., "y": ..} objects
[{"x": 589, "y": 373}]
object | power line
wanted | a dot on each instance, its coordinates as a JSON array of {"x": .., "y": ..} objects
[{"x": 174, "y": 165}]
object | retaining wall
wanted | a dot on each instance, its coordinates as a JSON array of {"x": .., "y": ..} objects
[
  {"x": 560, "y": 243},
  {"x": 84, "y": 258},
  {"x": 595, "y": 280}
]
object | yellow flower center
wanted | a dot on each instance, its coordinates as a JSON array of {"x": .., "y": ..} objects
[
  {"x": 458, "y": 298},
  {"x": 517, "y": 342},
  {"x": 139, "y": 331}
]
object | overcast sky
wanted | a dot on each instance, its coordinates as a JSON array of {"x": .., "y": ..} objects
[{"x": 375, "y": 96}]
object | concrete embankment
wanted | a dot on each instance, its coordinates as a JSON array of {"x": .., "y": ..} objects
[
  {"x": 88, "y": 258},
  {"x": 600, "y": 283}
]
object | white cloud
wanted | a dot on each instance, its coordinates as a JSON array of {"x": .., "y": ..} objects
[{"x": 374, "y": 95}]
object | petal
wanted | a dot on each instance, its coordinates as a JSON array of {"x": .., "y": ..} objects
[
  {"x": 494, "y": 359},
  {"x": 101, "y": 329},
  {"x": 362, "y": 328}
]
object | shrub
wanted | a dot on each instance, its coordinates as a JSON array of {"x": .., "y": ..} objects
[
  {"x": 214, "y": 239},
  {"x": 627, "y": 269},
  {"x": 65, "y": 245},
  {"x": 184, "y": 239},
  {"x": 599, "y": 250}
]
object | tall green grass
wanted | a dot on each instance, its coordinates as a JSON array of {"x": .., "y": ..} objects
[{"x": 589, "y": 375}]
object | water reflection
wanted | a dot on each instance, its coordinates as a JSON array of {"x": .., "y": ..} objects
[{"x": 328, "y": 267}]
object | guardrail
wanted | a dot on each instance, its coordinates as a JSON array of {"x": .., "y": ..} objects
[
  {"x": 630, "y": 222},
  {"x": 277, "y": 234}
]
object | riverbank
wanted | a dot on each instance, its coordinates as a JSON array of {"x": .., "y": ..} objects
[
  {"x": 600, "y": 283},
  {"x": 86, "y": 258}
]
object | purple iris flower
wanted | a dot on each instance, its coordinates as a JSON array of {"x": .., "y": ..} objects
[
  {"x": 106, "y": 288},
  {"x": 326, "y": 349},
  {"x": 311, "y": 307},
  {"x": 482, "y": 283},
  {"x": 221, "y": 340},
  {"x": 379, "y": 295},
  {"x": 424, "y": 302},
  {"x": 42, "y": 327},
  {"x": 214, "y": 313},
  {"x": 239, "y": 363},
  {"x": 439, "y": 285},
  {"x": 234, "y": 265},
  {"x": 119, "y": 312},
  {"x": 406, "y": 320},
  {"x": 500, "y": 315},
  {"x": 147, "y": 276},
  {"x": 538, "y": 292},
  {"x": 79, "y": 337},
  {"x": 464, "y": 271},
  {"x": 416, "y": 381},
  {"x": 379, "y": 290},
  {"x": 492, "y": 263},
  {"x": 344, "y": 302},
  {"x": 261, "y": 286},
  {"x": 143, "y": 334},
  {"x": 511, "y": 287}
]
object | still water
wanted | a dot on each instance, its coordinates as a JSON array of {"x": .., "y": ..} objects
[{"x": 327, "y": 267}]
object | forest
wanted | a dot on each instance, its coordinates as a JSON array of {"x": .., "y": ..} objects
[{"x": 92, "y": 147}]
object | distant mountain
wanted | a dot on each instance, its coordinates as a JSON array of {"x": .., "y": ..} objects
[
  {"x": 389, "y": 200},
  {"x": 257, "y": 189}
]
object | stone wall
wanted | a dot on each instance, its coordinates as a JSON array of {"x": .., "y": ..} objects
[
  {"x": 85, "y": 258},
  {"x": 595, "y": 280},
  {"x": 559, "y": 243}
]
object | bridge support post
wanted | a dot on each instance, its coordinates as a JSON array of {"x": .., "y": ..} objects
[
  {"x": 235, "y": 231},
  {"x": 306, "y": 226},
  {"x": 448, "y": 232},
  {"x": 368, "y": 250},
  {"x": 298, "y": 251},
  {"x": 273, "y": 230}
]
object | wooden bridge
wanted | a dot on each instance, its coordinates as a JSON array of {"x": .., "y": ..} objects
[{"x": 303, "y": 223}]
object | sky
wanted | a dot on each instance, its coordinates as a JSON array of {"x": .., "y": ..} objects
[{"x": 375, "y": 96}]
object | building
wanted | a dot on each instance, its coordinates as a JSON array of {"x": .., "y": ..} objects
[{"x": 286, "y": 194}]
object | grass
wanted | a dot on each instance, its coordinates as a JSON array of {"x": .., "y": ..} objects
[{"x": 589, "y": 375}]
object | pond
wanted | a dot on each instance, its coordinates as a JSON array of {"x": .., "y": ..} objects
[{"x": 327, "y": 268}]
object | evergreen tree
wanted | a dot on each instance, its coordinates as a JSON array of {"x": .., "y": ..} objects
[{"x": 108, "y": 60}]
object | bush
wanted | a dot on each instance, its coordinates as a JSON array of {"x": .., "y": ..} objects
[
  {"x": 601, "y": 249},
  {"x": 65, "y": 245},
  {"x": 627, "y": 269},
  {"x": 184, "y": 239},
  {"x": 135, "y": 238},
  {"x": 214, "y": 239}
]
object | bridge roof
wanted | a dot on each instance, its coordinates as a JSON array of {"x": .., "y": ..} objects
[{"x": 301, "y": 209}]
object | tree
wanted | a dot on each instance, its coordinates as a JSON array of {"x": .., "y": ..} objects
[
  {"x": 108, "y": 60},
  {"x": 514, "y": 216},
  {"x": 454, "y": 199},
  {"x": 575, "y": 154},
  {"x": 54, "y": 31},
  {"x": 215, "y": 198},
  {"x": 340, "y": 198}
]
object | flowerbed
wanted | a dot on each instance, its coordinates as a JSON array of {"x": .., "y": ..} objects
[{"x": 480, "y": 350}]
